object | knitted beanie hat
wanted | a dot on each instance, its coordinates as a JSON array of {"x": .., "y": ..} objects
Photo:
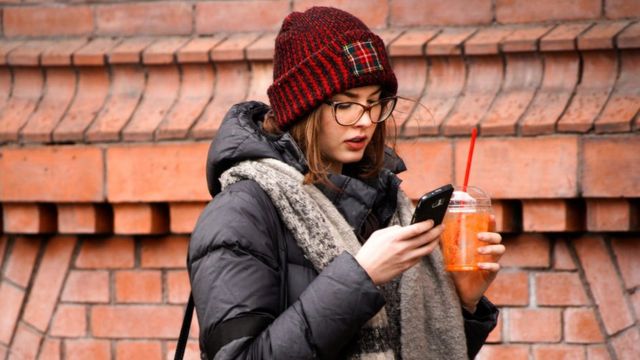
[{"x": 322, "y": 52}]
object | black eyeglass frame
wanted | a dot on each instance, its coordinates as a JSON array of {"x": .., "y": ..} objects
[{"x": 366, "y": 108}]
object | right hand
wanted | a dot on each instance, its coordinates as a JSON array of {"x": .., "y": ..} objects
[{"x": 391, "y": 251}]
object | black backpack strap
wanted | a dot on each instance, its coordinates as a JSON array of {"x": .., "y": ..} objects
[{"x": 184, "y": 331}]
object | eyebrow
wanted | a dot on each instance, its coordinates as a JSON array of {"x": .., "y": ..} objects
[{"x": 355, "y": 96}]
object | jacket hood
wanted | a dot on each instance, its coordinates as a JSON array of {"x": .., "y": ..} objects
[{"x": 240, "y": 137}]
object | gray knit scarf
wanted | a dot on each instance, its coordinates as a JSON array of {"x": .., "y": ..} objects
[{"x": 430, "y": 315}]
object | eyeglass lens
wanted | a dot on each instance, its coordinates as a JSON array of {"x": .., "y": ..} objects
[{"x": 348, "y": 113}]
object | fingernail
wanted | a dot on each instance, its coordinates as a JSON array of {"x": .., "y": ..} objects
[
  {"x": 482, "y": 250},
  {"x": 483, "y": 266}
]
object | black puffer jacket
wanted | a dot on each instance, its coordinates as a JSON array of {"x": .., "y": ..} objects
[{"x": 251, "y": 307}]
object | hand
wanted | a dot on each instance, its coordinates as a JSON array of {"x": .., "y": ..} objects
[
  {"x": 391, "y": 251},
  {"x": 471, "y": 285}
]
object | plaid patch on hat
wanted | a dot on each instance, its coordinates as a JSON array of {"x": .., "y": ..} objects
[{"x": 363, "y": 57}]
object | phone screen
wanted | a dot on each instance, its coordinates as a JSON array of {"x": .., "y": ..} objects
[{"x": 433, "y": 205}]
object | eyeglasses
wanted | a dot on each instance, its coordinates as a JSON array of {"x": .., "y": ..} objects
[{"x": 348, "y": 113}]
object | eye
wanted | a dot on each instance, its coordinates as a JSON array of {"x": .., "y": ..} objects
[{"x": 344, "y": 106}]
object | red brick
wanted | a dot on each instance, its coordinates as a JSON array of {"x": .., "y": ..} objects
[
  {"x": 197, "y": 50},
  {"x": 635, "y": 301},
  {"x": 233, "y": 48},
  {"x": 487, "y": 40},
  {"x": 151, "y": 350},
  {"x": 526, "y": 251},
  {"x": 28, "y": 53},
  {"x": 26, "y": 342},
  {"x": 196, "y": 90},
  {"x": 446, "y": 80},
  {"x": 581, "y": 326},
  {"x": 372, "y": 12},
  {"x": 52, "y": 174},
  {"x": 157, "y": 173},
  {"x": 558, "y": 352},
  {"x": 69, "y": 321},
  {"x": 81, "y": 218},
  {"x": 552, "y": 215},
  {"x": 528, "y": 167},
  {"x": 423, "y": 176},
  {"x": 192, "y": 350},
  {"x": 92, "y": 91},
  {"x": 47, "y": 21},
  {"x": 510, "y": 288},
  {"x": 136, "y": 321},
  {"x": 61, "y": 53},
  {"x": 623, "y": 169},
  {"x": 630, "y": 37},
  {"x": 449, "y": 41},
  {"x": 601, "y": 276},
  {"x": 25, "y": 94},
  {"x": 87, "y": 349},
  {"x": 507, "y": 215},
  {"x": 563, "y": 37},
  {"x": 11, "y": 303},
  {"x": 6, "y": 47},
  {"x": 503, "y": 352},
  {"x": 627, "y": 344},
  {"x": 523, "y": 76},
  {"x": 524, "y": 39},
  {"x": 542, "y": 325},
  {"x": 94, "y": 52},
  {"x": 611, "y": 215},
  {"x": 129, "y": 51},
  {"x": 484, "y": 78},
  {"x": 164, "y": 252},
  {"x": 157, "y": 18},
  {"x": 28, "y": 218},
  {"x": 4, "y": 242},
  {"x": 178, "y": 286},
  {"x": 521, "y": 11},
  {"x": 456, "y": 12},
  {"x": 162, "y": 51},
  {"x": 5, "y": 84},
  {"x": 184, "y": 216},
  {"x": 627, "y": 251},
  {"x": 59, "y": 91},
  {"x": 562, "y": 259},
  {"x": 48, "y": 281},
  {"x": 87, "y": 286},
  {"x": 50, "y": 349},
  {"x": 126, "y": 89},
  {"x": 599, "y": 72},
  {"x": 560, "y": 289},
  {"x": 22, "y": 259},
  {"x": 620, "y": 110},
  {"x": 121, "y": 250},
  {"x": 495, "y": 336},
  {"x": 145, "y": 218},
  {"x": 561, "y": 72},
  {"x": 232, "y": 81},
  {"x": 411, "y": 73},
  {"x": 240, "y": 15},
  {"x": 600, "y": 36},
  {"x": 261, "y": 79},
  {"x": 138, "y": 286},
  {"x": 616, "y": 9},
  {"x": 598, "y": 352},
  {"x": 163, "y": 83},
  {"x": 412, "y": 43}
]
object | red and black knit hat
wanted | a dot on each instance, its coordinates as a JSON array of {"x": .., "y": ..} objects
[{"x": 322, "y": 52}]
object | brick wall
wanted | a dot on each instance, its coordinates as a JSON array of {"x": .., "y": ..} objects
[{"x": 107, "y": 109}]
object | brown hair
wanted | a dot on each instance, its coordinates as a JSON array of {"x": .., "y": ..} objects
[{"x": 305, "y": 133}]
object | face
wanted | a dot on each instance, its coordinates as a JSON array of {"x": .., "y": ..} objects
[{"x": 346, "y": 144}]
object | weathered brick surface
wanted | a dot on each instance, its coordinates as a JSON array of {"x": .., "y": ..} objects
[
  {"x": 157, "y": 18},
  {"x": 27, "y": 90},
  {"x": 25, "y": 218},
  {"x": 611, "y": 215},
  {"x": 541, "y": 325},
  {"x": 47, "y": 21},
  {"x": 11, "y": 301},
  {"x": 87, "y": 349},
  {"x": 69, "y": 321},
  {"x": 136, "y": 321},
  {"x": 157, "y": 172},
  {"x": 22, "y": 260},
  {"x": 244, "y": 15},
  {"x": 627, "y": 252},
  {"x": 138, "y": 286},
  {"x": 616, "y": 9},
  {"x": 138, "y": 350},
  {"x": 627, "y": 344},
  {"x": 121, "y": 250},
  {"x": 602, "y": 278},
  {"x": 184, "y": 216},
  {"x": 25, "y": 343},
  {"x": 86, "y": 286},
  {"x": 84, "y": 219},
  {"x": 510, "y": 289},
  {"x": 178, "y": 286},
  {"x": 556, "y": 289},
  {"x": 562, "y": 259},
  {"x": 504, "y": 352},
  {"x": 526, "y": 251},
  {"x": 45, "y": 173},
  {"x": 521, "y": 11},
  {"x": 456, "y": 12},
  {"x": 581, "y": 326},
  {"x": 164, "y": 252},
  {"x": 423, "y": 176},
  {"x": 558, "y": 352},
  {"x": 625, "y": 162},
  {"x": 140, "y": 219},
  {"x": 619, "y": 112},
  {"x": 552, "y": 215}
]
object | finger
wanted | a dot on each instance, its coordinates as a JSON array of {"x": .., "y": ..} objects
[
  {"x": 492, "y": 250},
  {"x": 490, "y": 237},
  {"x": 494, "y": 267},
  {"x": 425, "y": 238},
  {"x": 424, "y": 250},
  {"x": 413, "y": 230}
]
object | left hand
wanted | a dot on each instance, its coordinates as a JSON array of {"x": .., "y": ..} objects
[{"x": 471, "y": 285}]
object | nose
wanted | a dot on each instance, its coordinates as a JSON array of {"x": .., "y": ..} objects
[{"x": 365, "y": 119}]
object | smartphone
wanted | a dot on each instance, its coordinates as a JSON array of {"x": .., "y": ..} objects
[{"x": 433, "y": 205}]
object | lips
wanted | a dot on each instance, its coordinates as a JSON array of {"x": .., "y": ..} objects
[{"x": 356, "y": 142}]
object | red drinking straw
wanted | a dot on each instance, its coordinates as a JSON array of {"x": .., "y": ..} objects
[{"x": 474, "y": 134}]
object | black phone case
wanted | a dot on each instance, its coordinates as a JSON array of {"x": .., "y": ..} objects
[{"x": 433, "y": 205}]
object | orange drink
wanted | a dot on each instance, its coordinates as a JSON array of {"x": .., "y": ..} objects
[{"x": 468, "y": 214}]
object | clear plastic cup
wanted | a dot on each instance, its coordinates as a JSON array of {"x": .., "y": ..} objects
[{"x": 468, "y": 214}]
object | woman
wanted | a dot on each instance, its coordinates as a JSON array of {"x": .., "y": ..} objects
[{"x": 306, "y": 249}]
